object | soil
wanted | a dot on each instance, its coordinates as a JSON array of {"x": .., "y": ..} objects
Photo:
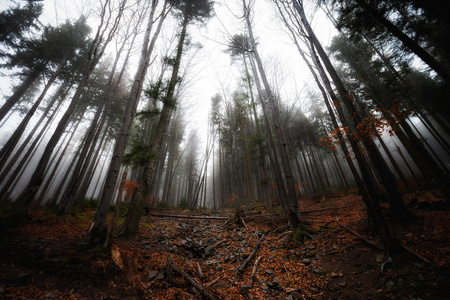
[{"x": 46, "y": 258}]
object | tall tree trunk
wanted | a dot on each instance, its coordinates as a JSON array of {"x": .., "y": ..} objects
[
  {"x": 391, "y": 243},
  {"x": 292, "y": 201},
  {"x": 98, "y": 231},
  {"x": 82, "y": 191},
  {"x": 135, "y": 209},
  {"x": 20, "y": 91},
  {"x": 51, "y": 176}
]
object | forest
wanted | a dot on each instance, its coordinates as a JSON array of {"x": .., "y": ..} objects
[{"x": 200, "y": 149}]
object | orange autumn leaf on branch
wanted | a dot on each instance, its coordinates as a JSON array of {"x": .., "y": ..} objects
[
  {"x": 376, "y": 123},
  {"x": 128, "y": 186}
]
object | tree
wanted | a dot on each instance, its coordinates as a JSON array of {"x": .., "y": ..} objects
[
  {"x": 107, "y": 29},
  {"x": 286, "y": 184},
  {"x": 15, "y": 22},
  {"x": 97, "y": 234},
  {"x": 188, "y": 11},
  {"x": 374, "y": 196},
  {"x": 355, "y": 16},
  {"x": 62, "y": 44}
]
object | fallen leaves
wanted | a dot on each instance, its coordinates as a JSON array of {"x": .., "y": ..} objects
[{"x": 210, "y": 251}]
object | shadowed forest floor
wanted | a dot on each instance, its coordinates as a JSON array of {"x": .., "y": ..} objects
[{"x": 44, "y": 258}]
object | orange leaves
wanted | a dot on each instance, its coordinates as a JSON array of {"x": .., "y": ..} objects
[
  {"x": 231, "y": 199},
  {"x": 150, "y": 199},
  {"x": 379, "y": 121},
  {"x": 129, "y": 187}
]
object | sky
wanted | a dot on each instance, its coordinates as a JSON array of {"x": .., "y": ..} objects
[{"x": 211, "y": 70}]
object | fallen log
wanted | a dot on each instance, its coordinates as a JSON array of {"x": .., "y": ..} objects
[
  {"x": 188, "y": 217},
  {"x": 323, "y": 209},
  {"x": 249, "y": 258},
  {"x": 191, "y": 280}
]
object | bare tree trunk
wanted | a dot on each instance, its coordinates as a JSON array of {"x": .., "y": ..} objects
[
  {"x": 99, "y": 230},
  {"x": 291, "y": 201},
  {"x": 135, "y": 210}
]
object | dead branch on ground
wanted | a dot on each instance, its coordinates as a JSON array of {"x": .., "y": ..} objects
[
  {"x": 255, "y": 268},
  {"x": 191, "y": 280},
  {"x": 188, "y": 217},
  {"x": 249, "y": 258},
  {"x": 366, "y": 241}
]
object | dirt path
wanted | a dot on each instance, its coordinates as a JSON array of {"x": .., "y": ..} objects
[{"x": 45, "y": 259}]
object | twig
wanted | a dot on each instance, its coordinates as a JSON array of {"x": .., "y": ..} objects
[
  {"x": 208, "y": 285},
  {"x": 244, "y": 223},
  {"x": 416, "y": 255},
  {"x": 244, "y": 264},
  {"x": 369, "y": 243},
  {"x": 255, "y": 268},
  {"x": 199, "y": 270},
  {"x": 191, "y": 280},
  {"x": 253, "y": 207},
  {"x": 283, "y": 234}
]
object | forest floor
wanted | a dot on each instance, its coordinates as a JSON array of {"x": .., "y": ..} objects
[{"x": 44, "y": 258}]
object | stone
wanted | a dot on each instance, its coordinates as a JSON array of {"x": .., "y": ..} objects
[
  {"x": 245, "y": 289},
  {"x": 276, "y": 279},
  {"x": 380, "y": 258},
  {"x": 209, "y": 249},
  {"x": 51, "y": 295},
  {"x": 239, "y": 276},
  {"x": 342, "y": 284},
  {"x": 152, "y": 275},
  {"x": 160, "y": 276},
  {"x": 307, "y": 261}
]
